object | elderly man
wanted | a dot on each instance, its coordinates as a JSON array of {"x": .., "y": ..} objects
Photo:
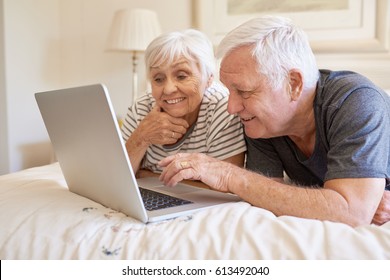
[{"x": 328, "y": 131}]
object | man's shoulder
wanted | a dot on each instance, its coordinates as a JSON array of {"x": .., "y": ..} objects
[{"x": 334, "y": 87}]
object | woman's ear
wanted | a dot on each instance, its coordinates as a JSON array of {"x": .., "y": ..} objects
[
  {"x": 295, "y": 84},
  {"x": 210, "y": 80}
]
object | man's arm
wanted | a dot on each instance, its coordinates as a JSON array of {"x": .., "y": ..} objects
[
  {"x": 382, "y": 214},
  {"x": 350, "y": 201}
]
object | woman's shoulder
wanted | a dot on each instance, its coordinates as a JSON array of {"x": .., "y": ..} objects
[
  {"x": 144, "y": 103},
  {"x": 215, "y": 101},
  {"x": 216, "y": 93}
]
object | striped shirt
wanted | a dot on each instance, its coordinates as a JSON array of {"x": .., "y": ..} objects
[{"x": 216, "y": 132}]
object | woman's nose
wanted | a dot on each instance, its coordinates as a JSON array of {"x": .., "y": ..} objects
[{"x": 170, "y": 86}]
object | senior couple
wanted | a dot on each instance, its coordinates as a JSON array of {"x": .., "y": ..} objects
[{"x": 328, "y": 131}]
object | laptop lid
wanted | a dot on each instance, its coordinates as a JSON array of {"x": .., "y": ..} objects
[{"x": 86, "y": 138}]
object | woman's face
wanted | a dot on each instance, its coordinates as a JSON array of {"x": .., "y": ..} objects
[{"x": 178, "y": 88}]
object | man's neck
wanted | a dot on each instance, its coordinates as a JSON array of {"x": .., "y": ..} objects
[{"x": 304, "y": 134}]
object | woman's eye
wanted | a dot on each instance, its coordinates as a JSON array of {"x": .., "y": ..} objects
[
  {"x": 158, "y": 79},
  {"x": 181, "y": 75}
]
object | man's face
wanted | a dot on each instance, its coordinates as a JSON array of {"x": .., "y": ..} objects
[{"x": 264, "y": 112}]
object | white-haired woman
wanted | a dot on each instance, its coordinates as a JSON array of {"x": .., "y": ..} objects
[{"x": 186, "y": 110}]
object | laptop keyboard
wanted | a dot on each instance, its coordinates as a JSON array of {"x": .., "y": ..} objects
[{"x": 155, "y": 200}]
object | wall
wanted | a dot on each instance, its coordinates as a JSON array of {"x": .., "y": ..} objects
[
  {"x": 374, "y": 61},
  {"x": 3, "y": 100},
  {"x": 47, "y": 44},
  {"x": 85, "y": 27},
  {"x": 362, "y": 46},
  {"x": 31, "y": 63}
]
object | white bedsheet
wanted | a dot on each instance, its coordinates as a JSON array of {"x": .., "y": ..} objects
[{"x": 41, "y": 219}]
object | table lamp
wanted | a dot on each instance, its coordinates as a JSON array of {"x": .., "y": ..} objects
[{"x": 131, "y": 31}]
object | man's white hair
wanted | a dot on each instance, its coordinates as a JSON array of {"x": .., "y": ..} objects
[{"x": 278, "y": 47}]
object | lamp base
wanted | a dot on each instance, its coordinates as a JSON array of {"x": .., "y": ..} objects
[{"x": 135, "y": 76}]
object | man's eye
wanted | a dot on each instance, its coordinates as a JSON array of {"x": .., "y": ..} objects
[{"x": 244, "y": 94}]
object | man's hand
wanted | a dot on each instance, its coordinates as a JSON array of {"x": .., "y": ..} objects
[
  {"x": 196, "y": 166},
  {"x": 382, "y": 214}
]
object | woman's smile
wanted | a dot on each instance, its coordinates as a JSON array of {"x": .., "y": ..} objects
[{"x": 174, "y": 101}]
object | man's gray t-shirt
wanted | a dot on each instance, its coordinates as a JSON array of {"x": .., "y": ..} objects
[{"x": 352, "y": 119}]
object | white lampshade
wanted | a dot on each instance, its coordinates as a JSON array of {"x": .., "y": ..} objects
[{"x": 133, "y": 30}]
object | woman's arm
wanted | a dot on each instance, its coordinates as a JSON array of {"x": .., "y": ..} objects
[{"x": 157, "y": 128}]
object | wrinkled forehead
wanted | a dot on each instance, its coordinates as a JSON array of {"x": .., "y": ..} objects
[
  {"x": 239, "y": 60},
  {"x": 171, "y": 61},
  {"x": 177, "y": 63},
  {"x": 167, "y": 56}
]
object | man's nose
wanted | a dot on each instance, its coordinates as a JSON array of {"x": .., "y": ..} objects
[{"x": 234, "y": 103}]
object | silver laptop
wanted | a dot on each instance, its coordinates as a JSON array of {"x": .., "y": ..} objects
[{"x": 83, "y": 129}]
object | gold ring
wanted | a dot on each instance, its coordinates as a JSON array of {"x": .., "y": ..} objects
[{"x": 184, "y": 164}]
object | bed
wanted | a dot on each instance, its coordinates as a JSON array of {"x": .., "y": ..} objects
[{"x": 41, "y": 219}]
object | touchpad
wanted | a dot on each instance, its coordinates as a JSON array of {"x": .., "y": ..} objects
[{"x": 178, "y": 189}]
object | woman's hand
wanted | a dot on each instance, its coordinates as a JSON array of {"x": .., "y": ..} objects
[
  {"x": 156, "y": 128},
  {"x": 159, "y": 128}
]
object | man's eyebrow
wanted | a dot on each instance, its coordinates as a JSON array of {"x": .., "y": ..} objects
[{"x": 240, "y": 87}]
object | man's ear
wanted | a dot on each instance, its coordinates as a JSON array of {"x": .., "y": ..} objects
[{"x": 295, "y": 84}]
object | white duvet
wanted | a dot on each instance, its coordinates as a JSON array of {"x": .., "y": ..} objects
[{"x": 41, "y": 219}]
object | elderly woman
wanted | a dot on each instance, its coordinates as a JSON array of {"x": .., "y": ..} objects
[{"x": 186, "y": 110}]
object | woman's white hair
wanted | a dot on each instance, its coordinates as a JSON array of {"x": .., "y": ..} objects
[
  {"x": 278, "y": 47},
  {"x": 190, "y": 44}
]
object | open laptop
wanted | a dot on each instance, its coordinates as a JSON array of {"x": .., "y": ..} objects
[{"x": 83, "y": 129}]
